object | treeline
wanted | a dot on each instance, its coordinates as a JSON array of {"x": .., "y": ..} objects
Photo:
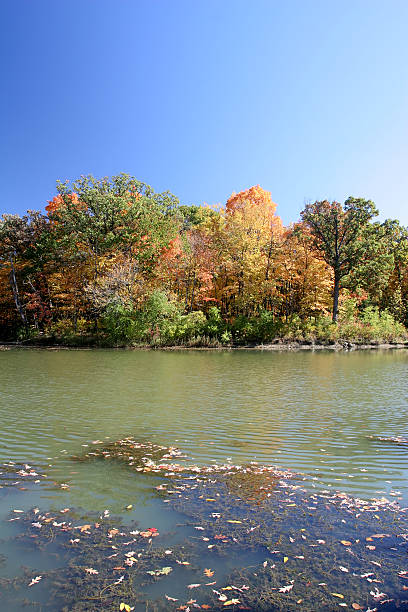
[{"x": 112, "y": 262}]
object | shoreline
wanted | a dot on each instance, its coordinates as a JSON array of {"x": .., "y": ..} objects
[{"x": 345, "y": 345}]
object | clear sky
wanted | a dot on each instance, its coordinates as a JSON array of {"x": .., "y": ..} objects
[{"x": 309, "y": 99}]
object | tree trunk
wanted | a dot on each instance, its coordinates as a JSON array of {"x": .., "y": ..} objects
[
  {"x": 16, "y": 295},
  {"x": 336, "y": 297}
]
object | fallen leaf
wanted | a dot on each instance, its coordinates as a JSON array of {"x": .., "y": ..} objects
[
  {"x": 111, "y": 532},
  {"x": 231, "y": 602},
  {"x": 346, "y": 543},
  {"x": 35, "y": 580},
  {"x": 339, "y": 595},
  {"x": 208, "y": 572}
]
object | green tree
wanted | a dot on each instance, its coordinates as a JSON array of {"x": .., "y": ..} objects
[
  {"x": 96, "y": 216},
  {"x": 338, "y": 234}
]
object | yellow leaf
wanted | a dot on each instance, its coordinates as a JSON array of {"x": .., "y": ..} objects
[
  {"x": 210, "y": 499},
  {"x": 285, "y": 559},
  {"x": 346, "y": 542},
  {"x": 339, "y": 595},
  {"x": 233, "y": 521}
]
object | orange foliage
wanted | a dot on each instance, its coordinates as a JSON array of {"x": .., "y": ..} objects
[
  {"x": 254, "y": 197},
  {"x": 58, "y": 201}
]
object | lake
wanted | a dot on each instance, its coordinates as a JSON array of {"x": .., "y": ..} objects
[{"x": 312, "y": 412}]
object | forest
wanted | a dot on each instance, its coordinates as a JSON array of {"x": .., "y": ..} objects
[{"x": 111, "y": 262}]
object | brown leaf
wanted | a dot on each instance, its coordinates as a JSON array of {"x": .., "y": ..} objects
[{"x": 113, "y": 532}]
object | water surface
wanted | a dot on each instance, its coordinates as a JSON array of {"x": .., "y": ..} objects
[{"x": 312, "y": 412}]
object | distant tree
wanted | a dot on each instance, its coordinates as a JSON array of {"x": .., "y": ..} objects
[{"x": 338, "y": 234}]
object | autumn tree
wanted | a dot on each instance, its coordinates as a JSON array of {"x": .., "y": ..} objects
[
  {"x": 244, "y": 240},
  {"x": 109, "y": 222},
  {"x": 338, "y": 234},
  {"x": 26, "y": 246},
  {"x": 303, "y": 279}
]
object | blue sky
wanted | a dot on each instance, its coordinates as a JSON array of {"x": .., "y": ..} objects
[{"x": 308, "y": 99}]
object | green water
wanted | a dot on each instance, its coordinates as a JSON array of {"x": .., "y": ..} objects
[
  {"x": 308, "y": 411},
  {"x": 312, "y": 412}
]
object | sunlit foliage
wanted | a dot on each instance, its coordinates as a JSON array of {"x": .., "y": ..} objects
[{"x": 114, "y": 262}]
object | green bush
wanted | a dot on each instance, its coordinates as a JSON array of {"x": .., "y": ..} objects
[
  {"x": 215, "y": 325},
  {"x": 119, "y": 323}
]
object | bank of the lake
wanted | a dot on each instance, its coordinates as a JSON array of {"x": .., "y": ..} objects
[{"x": 278, "y": 345}]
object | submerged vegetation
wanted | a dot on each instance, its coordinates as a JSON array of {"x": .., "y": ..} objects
[
  {"x": 112, "y": 263},
  {"x": 249, "y": 538}
]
